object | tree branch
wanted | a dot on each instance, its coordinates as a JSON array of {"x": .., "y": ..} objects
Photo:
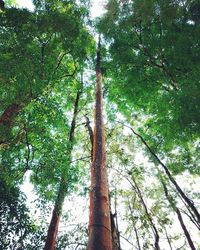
[{"x": 171, "y": 178}]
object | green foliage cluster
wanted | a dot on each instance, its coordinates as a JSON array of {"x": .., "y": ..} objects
[
  {"x": 17, "y": 230},
  {"x": 38, "y": 49},
  {"x": 150, "y": 64},
  {"x": 154, "y": 64},
  {"x": 43, "y": 54}
]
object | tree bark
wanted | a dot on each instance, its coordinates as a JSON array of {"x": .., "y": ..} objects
[
  {"x": 114, "y": 226},
  {"x": 114, "y": 233},
  {"x": 9, "y": 114},
  {"x": 54, "y": 223},
  {"x": 99, "y": 221},
  {"x": 6, "y": 120},
  {"x": 55, "y": 219}
]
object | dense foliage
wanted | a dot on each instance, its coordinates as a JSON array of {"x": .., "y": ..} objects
[
  {"x": 154, "y": 48},
  {"x": 151, "y": 71}
]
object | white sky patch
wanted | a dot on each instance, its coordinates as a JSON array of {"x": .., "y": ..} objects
[
  {"x": 25, "y": 4},
  {"x": 28, "y": 189},
  {"x": 97, "y": 7}
]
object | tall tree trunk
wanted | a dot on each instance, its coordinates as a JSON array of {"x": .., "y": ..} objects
[
  {"x": 177, "y": 211},
  {"x": 99, "y": 222},
  {"x": 54, "y": 223},
  {"x": 188, "y": 201},
  {"x": 114, "y": 226}
]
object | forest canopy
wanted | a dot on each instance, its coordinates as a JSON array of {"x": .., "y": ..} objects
[{"x": 59, "y": 133}]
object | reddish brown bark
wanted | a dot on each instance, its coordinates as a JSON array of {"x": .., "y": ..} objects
[
  {"x": 53, "y": 226},
  {"x": 52, "y": 231},
  {"x": 99, "y": 223},
  {"x": 6, "y": 122},
  {"x": 9, "y": 114},
  {"x": 114, "y": 226},
  {"x": 55, "y": 219},
  {"x": 54, "y": 223}
]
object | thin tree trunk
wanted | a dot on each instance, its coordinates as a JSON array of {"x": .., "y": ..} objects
[
  {"x": 55, "y": 219},
  {"x": 177, "y": 211},
  {"x": 191, "y": 215},
  {"x": 91, "y": 134},
  {"x": 188, "y": 201},
  {"x": 134, "y": 225},
  {"x": 168, "y": 239},
  {"x": 137, "y": 238},
  {"x": 116, "y": 224},
  {"x": 99, "y": 222},
  {"x": 54, "y": 223},
  {"x": 114, "y": 232},
  {"x": 187, "y": 235},
  {"x": 154, "y": 229}
]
